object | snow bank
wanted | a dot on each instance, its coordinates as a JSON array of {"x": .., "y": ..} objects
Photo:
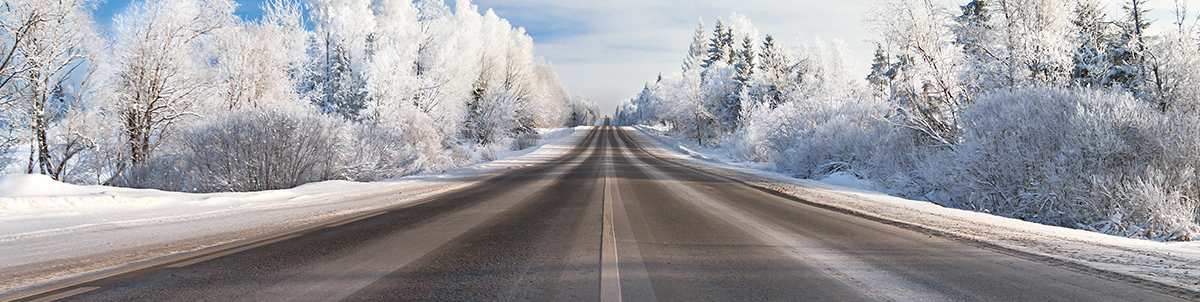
[
  {"x": 1174, "y": 264},
  {"x": 50, "y": 230}
]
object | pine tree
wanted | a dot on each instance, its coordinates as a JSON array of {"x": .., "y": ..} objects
[
  {"x": 473, "y": 124},
  {"x": 743, "y": 70},
  {"x": 971, "y": 34},
  {"x": 697, "y": 54},
  {"x": 1127, "y": 52},
  {"x": 775, "y": 68},
  {"x": 342, "y": 93},
  {"x": 720, "y": 46},
  {"x": 879, "y": 78},
  {"x": 973, "y": 22},
  {"x": 1091, "y": 39}
]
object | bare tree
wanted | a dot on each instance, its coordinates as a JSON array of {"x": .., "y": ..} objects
[
  {"x": 47, "y": 64},
  {"x": 926, "y": 87},
  {"x": 159, "y": 66}
]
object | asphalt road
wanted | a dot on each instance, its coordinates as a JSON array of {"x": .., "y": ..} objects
[{"x": 606, "y": 221}]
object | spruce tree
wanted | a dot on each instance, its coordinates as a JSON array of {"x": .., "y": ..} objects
[
  {"x": 697, "y": 53},
  {"x": 744, "y": 66},
  {"x": 1127, "y": 52},
  {"x": 972, "y": 35},
  {"x": 716, "y": 45},
  {"x": 775, "y": 68},
  {"x": 720, "y": 47},
  {"x": 879, "y": 78},
  {"x": 743, "y": 71},
  {"x": 1091, "y": 38}
]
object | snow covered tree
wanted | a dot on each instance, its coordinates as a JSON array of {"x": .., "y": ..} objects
[
  {"x": 879, "y": 78},
  {"x": 1174, "y": 67},
  {"x": 338, "y": 83},
  {"x": 256, "y": 61},
  {"x": 697, "y": 53},
  {"x": 775, "y": 70},
  {"x": 1038, "y": 34},
  {"x": 743, "y": 76},
  {"x": 1091, "y": 42},
  {"x": 1127, "y": 50},
  {"x": 161, "y": 63},
  {"x": 1014, "y": 43},
  {"x": 927, "y": 92},
  {"x": 393, "y": 53},
  {"x": 50, "y": 57},
  {"x": 972, "y": 35},
  {"x": 720, "y": 46}
]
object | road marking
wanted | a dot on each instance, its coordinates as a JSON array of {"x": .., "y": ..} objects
[
  {"x": 347, "y": 221},
  {"x": 610, "y": 274},
  {"x": 65, "y": 294},
  {"x": 232, "y": 251}
]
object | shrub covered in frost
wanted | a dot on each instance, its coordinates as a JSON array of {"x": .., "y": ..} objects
[
  {"x": 1080, "y": 158},
  {"x": 814, "y": 138},
  {"x": 261, "y": 150},
  {"x": 526, "y": 140},
  {"x": 374, "y": 152}
]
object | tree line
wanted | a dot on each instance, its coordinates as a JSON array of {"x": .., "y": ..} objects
[
  {"x": 185, "y": 95},
  {"x": 1046, "y": 110}
]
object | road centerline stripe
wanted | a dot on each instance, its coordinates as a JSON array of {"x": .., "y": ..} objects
[{"x": 610, "y": 275}]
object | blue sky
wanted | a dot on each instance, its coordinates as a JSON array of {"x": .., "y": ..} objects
[
  {"x": 248, "y": 9},
  {"x": 607, "y": 50}
]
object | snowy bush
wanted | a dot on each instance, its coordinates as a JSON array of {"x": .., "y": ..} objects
[
  {"x": 260, "y": 150},
  {"x": 1072, "y": 157},
  {"x": 815, "y": 138},
  {"x": 163, "y": 172},
  {"x": 525, "y": 140},
  {"x": 376, "y": 152}
]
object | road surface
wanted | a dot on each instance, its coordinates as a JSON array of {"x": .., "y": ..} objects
[{"x": 606, "y": 221}]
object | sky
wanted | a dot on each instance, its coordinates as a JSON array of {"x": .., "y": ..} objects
[{"x": 607, "y": 50}]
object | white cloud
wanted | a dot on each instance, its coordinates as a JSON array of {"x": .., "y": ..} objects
[
  {"x": 607, "y": 50},
  {"x": 625, "y": 43}
]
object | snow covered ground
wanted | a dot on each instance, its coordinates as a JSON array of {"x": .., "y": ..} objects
[
  {"x": 51, "y": 230},
  {"x": 1174, "y": 264}
]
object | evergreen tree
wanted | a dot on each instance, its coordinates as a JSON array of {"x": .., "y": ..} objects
[
  {"x": 972, "y": 35},
  {"x": 879, "y": 78},
  {"x": 473, "y": 125},
  {"x": 744, "y": 69},
  {"x": 775, "y": 68},
  {"x": 697, "y": 54},
  {"x": 1127, "y": 52},
  {"x": 342, "y": 92},
  {"x": 720, "y": 47},
  {"x": 1091, "y": 39}
]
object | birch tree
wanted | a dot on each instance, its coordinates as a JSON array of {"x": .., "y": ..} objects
[{"x": 49, "y": 59}]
